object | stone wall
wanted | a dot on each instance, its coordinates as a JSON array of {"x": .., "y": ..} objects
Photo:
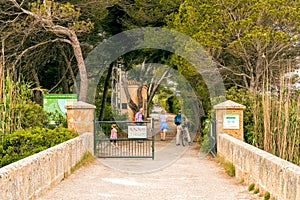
[
  {"x": 277, "y": 176},
  {"x": 27, "y": 178}
]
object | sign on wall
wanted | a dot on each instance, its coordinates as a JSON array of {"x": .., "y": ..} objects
[
  {"x": 56, "y": 102},
  {"x": 231, "y": 120},
  {"x": 137, "y": 132}
]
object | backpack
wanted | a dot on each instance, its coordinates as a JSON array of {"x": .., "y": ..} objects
[{"x": 177, "y": 119}]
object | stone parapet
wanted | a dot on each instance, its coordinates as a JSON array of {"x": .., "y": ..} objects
[
  {"x": 80, "y": 117},
  {"x": 271, "y": 173},
  {"x": 27, "y": 178}
]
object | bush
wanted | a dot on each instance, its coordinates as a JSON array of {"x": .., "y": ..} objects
[
  {"x": 33, "y": 115},
  {"x": 251, "y": 187},
  {"x": 23, "y": 143},
  {"x": 228, "y": 166},
  {"x": 256, "y": 191},
  {"x": 205, "y": 143},
  {"x": 267, "y": 196}
]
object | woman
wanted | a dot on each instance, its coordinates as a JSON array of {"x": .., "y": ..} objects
[{"x": 163, "y": 125}]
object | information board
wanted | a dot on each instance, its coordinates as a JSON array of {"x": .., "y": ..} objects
[
  {"x": 137, "y": 131},
  {"x": 56, "y": 102},
  {"x": 231, "y": 120}
]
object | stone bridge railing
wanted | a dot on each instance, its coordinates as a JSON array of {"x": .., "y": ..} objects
[
  {"x": 27, "y": 178},
  {"x": 277, "y": 176}
]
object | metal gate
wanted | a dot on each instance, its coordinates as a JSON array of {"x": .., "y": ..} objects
[
  {"x": 134, "y": 140},
  {"x": 213, "y": 139}
]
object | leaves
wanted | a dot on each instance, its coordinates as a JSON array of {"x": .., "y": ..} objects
[{"x": 24, "y": 143}]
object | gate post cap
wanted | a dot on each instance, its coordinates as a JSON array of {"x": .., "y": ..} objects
[
  {"x": 229, "y": 104},
  {"x": 80, "y": 104}
]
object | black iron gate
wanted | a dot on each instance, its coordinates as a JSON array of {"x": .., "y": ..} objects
[{"x": 134, "y": 140}]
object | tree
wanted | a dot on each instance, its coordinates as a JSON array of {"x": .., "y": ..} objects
[
  {"x": 149, "y": 76},
  {"x": 141, "y": 13},
  {"x": 250, "y": 40},
  {"x": 59, "y": 19},
  {"x": 244, "y": 37}
]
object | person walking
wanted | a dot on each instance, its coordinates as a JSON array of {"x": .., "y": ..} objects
[
  {"x": 182, "y": 124},
  {"x": 139, "y": 117},
  {"x": 163, "y": 127},
  {"x": 114, "y": 136}
]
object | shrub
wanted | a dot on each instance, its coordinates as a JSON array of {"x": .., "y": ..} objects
[
  {"x": 17, "y": 110},
  {"x": 32, "y": 115},
  {"x": 205, "y": 143},
  {"x": 267, "y": 196},
  {"x": 228, "y": 166},
  {"x": 251, "y": 187},
  {"x": 23, "y": 143}
]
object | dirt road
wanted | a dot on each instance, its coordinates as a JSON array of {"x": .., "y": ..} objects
[
  {"x": 177, "y": 172},
  {"x": 190, "y": 177}
]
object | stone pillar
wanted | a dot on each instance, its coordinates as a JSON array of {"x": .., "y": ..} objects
[
  {"x": 80, "y": 117},
  {"x": 229, "y": 119}
]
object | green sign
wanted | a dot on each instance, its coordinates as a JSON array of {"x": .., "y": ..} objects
[{"x": 57, "y": 102}]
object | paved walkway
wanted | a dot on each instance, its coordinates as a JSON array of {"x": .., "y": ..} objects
[
  {"x": 193, "y": 176},
  {"x": 177, "y": 172}
]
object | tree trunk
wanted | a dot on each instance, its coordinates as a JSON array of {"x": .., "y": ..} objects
[
  {"x": 81, "y": 66},
  {"x": 105, "y": 93},
  {"x": 130, "y": 102},
  {"x": 140, "y": 96},
  {"x": 49, "y": 25}
]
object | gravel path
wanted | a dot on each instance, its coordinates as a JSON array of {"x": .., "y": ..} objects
[
  {"x": 193, "y": 176},
  {"x": 180, "y": 173}
]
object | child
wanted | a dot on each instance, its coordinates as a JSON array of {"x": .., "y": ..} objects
[{"x": 113, "y": 135}]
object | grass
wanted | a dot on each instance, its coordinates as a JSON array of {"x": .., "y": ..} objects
[
  {"x": 267, "y": 196},
  {"x": 228, "y": 166},
  {"x": 242, "y": 181},
  {"x": 85, "y": 160},
  {"x": 251, "y": 187}
]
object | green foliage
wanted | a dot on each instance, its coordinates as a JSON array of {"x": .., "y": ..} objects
[
  {"x": 33, "y": 115},
  {"x": 173, "y": 104},
  {"x": 17, "y": 111},
  {"x": 251, "y": 187},
  {"x": 267, "y": 195},
  {"x": 23, "y": 143},
  {"x": 283, "y": 112},
  {"x": 256, "y": 191},
  {"x": 58, "y": 119},
  {"x": 143, "y": 13},
  {"x": 228, "y": 166},
  {"x": 86, "y": 159},
  {"x": 65, "y": 13},
  {"x": 205, "y": 141}
]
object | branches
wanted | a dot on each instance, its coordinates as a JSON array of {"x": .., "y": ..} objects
[
  {"x": 34, "y": 47},
  {"x": 52, "y": 16}
]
